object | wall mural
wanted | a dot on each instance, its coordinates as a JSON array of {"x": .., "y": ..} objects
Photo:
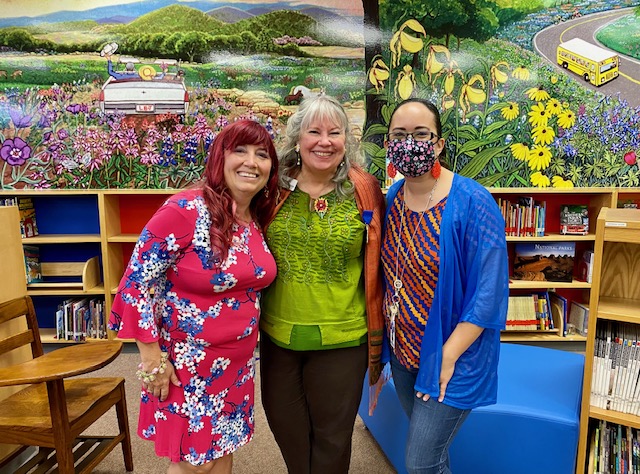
[
  {"x": 129, "y": 94},
  {"x": 532, "y": 92}
]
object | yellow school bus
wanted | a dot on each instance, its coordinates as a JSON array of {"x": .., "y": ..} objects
[{"x": 596, "y": 65}]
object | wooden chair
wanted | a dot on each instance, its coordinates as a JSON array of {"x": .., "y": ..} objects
[{"x": 52, "y": 411}]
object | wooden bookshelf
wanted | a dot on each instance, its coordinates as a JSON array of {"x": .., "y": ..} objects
[
  {"x": 82, "y": 223},
  {"x": 615, "y": 298}
]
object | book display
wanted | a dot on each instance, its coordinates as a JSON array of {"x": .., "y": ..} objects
[{"x": 610, "y": 412}]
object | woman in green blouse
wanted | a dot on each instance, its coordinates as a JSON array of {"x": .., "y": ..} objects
[{"x": 321, "y": 319}]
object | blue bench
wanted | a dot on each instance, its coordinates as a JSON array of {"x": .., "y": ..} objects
[{"x": 533, "y": 429}]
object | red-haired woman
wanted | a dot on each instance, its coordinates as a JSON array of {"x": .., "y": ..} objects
[{"x": 190, "y": 297}]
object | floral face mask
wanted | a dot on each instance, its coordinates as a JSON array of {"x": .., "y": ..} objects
[{"x": 411, "y": 157}]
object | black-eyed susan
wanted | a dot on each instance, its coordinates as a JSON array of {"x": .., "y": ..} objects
[
  {"x": 566, "y": 119},
  {"x": 520, "y": 151},
  {"x": 537, "y": 94},
  {"x": 543, "y": 135},
  {"x": 539, "y": 157},
  {"x": 539, "y": 180},
  {"x": 538, "y": 116},
  {"x": 521, "y": 73},
  {"x": 510, "y": 111},
  {"x": 560, "y": 182},
  {"x": 554, "y": 107}
]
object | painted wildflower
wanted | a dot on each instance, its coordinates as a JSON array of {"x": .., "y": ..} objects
[
  {"x": 511, "y": 111},
  {"x": 539, "y": 180},
  {"x": 566, "y": 119},
  {"x": 539, "y": 157},
  {"x": 559, "y": 182},
  {"x": 520, "y": 151},
  {"x": 543, "y": 135},
  {"x": 537, "y": 94},
  {"x": 15, "y": 151},
  {"x": 554, "y": 107},
  {"x": 521, "y": 73},
  {"x": 538, "y": 115}
]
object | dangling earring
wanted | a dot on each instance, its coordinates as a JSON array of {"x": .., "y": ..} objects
[
  {"x": 436, "y": 170},
  {"x": 341, "y": 165},
  {"x": 299, "y": 160},
  {"x": 265, "y": 191}
]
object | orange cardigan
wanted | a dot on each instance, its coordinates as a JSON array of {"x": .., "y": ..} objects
[{"x": 368, "y": 197}]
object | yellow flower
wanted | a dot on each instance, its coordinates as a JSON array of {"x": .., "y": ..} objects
[
  {"x": 566, "y": 119},
  {"x": 401, "y": 40},
  {"x": 537, "y": 94},
  {"x": 405, "y": 83},
  {"x": 554, "y": 79},
  {"x": 498, "y": 76},
  {"x": 539, "y": 157},
  {"x": 554, "y": 107},
  {"x": 433, "y": 66},
  {"x": 469, "y": 94},
  {"x": 511, "y": 111},
  {"x": 520, "y": 151},
  {"x": 448, "y": 102},
  {"x": 521, "y": 73},
  {"x": 559, "y": 182},
  {"x": 538, "y": 116},
  {"x": 540, "y": 180},
  {"x": 543, "y": 135},
  {"x": 378, "y": 73}
]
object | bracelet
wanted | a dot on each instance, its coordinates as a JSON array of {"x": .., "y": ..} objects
[{"x": 147, "y": 377}]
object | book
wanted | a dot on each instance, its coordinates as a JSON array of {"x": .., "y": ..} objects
[
  {"x": 544, "y": 261},
  {"x": 574, "y": 219},
  {"x": 32, "y": 265},
  {"x": 28, "y": 226},
  {"x": 585, "y": 266},
  {"x": 559, "y": 311},
  {"x": 578, "y": 319}
]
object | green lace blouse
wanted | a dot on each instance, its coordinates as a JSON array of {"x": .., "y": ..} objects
[{"x": 317, "y": 300}]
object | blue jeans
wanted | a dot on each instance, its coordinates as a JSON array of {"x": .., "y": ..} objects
[{"x": 432, "y": 425}]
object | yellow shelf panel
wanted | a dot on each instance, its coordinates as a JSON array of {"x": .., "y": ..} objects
[
  {"x": 61, "y": 289},
  {"x": 613, "y": 416},
  {"x": 546, "y": 336},
  {"x": 541, "y": 285},
  {"x": 61, "y": 239},
  {"x": 123, "y": 238},
  {"x": 619, "y": 309},
  {"x": 553, "y": 237}
]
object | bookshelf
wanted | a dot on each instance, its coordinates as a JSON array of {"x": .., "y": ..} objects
[
  {"x": 575, "y": 290},
  {"x": 76, "y": 225},
  {"x": 615, "y": 301}
]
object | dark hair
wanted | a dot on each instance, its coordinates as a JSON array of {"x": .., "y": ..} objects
[
  {"x": 429, "y": 105},
  {"x": 216, "y": 193}
]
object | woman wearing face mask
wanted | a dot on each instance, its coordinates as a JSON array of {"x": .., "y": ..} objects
[{"x": 445, "y": 270}]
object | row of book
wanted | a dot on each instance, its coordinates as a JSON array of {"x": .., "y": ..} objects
[
  {"x": 80, "y": 318},
  {"x": 616, "y": 367},
  {"x": 529, "y": 313},
  {"x": 614, "y": 449},
  {"x": 28, "y": 225},
  {"x": 525, "y": 217}
]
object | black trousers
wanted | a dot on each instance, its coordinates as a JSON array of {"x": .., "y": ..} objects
[{"x": 311, "y": 400}]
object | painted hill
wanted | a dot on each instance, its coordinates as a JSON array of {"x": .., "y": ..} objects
[
  {"x": 229, "y": 14},
  {"x": 172, "y": 19}
]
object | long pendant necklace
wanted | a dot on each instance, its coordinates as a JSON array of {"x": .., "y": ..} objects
[{"x": 394, "y": 304}]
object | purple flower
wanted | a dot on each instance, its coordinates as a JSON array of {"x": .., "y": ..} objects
[
  {"x": 15, "y": 151},
  {"x": 20, "y": 119}
]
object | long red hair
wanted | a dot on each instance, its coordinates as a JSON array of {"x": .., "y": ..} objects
[{"x": 216, "y": 193}]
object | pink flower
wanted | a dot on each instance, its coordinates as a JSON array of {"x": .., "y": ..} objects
[{"x": 630, "y": 158}]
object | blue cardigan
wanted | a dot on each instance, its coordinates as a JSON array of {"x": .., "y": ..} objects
[{"x": 473, "y": 286}]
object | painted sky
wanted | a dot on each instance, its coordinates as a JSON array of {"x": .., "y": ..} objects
[{"x": 31, "y": 8}]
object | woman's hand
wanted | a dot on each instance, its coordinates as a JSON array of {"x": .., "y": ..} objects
[
  {"x": 446, "y": 372},
  {"x": 159, "y": 387}
]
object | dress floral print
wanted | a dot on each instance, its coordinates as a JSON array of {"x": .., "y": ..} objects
[{"x": 204, "y": 313}]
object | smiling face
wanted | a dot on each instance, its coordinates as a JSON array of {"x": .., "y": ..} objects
[
  {"x": 246, "y": 170},
  {"x": 322, "y": 146}
]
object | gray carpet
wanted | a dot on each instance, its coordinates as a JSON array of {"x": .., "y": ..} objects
[{"x": 260, "y": 456}]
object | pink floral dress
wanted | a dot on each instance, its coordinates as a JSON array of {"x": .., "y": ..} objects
[{"x": 206, "y": 318}]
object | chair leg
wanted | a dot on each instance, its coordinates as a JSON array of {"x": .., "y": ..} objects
[
  {"x": 60, "y": 425},
  {"x": 123, "y": 424}
]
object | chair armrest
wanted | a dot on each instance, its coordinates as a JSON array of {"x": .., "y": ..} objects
[{"x": 61, "y": 363}]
